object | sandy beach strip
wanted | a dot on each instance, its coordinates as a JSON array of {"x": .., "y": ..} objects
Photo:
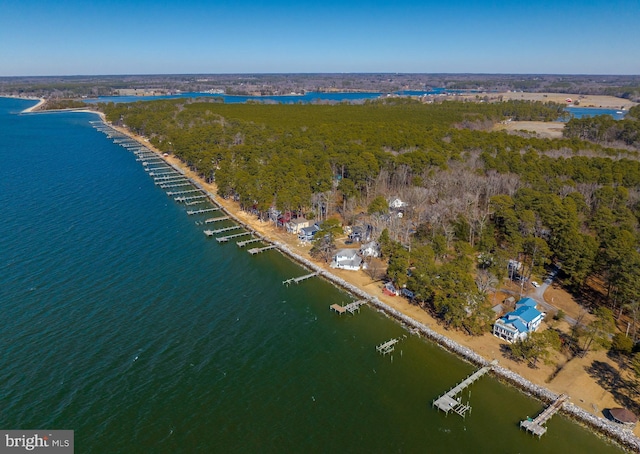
[
  {"x": 594, "y": 101},
  {"x": 31, "y": 109},
  {"x": 609, "y": 429}
]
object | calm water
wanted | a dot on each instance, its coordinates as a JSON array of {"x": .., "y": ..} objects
[
  {"x": 581, "y": 112},
  {"x": 232, "y": 99},
  {"x": 123, "y": 322}
]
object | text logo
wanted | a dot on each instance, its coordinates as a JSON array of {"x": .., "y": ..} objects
[{"x": 36, "y": 441}]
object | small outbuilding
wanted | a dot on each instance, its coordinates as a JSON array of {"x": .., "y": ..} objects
[{"x": 624, "y": 416}]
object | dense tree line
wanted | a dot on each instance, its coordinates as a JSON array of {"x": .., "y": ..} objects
[
  {"x": 477, "y": 198},
  {"x": 57, "y": 104},
  {"x": 604, "y": 129}
]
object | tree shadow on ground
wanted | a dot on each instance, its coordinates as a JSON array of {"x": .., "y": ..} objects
[
  {"x": 585, "y": 295},
  {"x": 619, "y": 358},
  {"x": 609, "y": 378}
]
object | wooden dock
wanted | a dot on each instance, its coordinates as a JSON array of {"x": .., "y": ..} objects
[
  {"x": 225, "y": 229},
  {"x": 176, "y": 185},
  {"x": 224, "y": 239},
  {"x": 190, "y": 198},
  {"x": 169, "y": 180},
  {"x": 448, "y": 401},
  {"x": 168, "y": 176},
  {"x": 221, "y": 218},
  {"x": 245, "y": 242},
  {"x": 351, "y": 307},
  {"x": 389, "y": 346},
  {"x": 190, "y": 191},
  {"x": 204, "y": 210},
  {"x": 258, "y": 250},
  {"x": 295, "y": 280},
  {"x": 536, "y": 426}
]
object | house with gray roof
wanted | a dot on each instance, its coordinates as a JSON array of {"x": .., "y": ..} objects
[
  {"x": 307, "y": 233},
  {"x": 347, "y": 259},
  {"x": 516, "y": 325}
]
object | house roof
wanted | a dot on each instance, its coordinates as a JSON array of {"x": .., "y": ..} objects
[
  {"x": 349, "y": 253},
  {"x": 526, "y": 313},
  {"x": 519, "y": 326},
  {"x": 311, "y": 229},
  {"x": 623, "y": 415},
  {"x": 526, "y": 302}
]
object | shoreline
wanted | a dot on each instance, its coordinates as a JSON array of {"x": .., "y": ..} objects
[
  {"x": 31, "y": 109},
  {"x": 613, "y": 432}
]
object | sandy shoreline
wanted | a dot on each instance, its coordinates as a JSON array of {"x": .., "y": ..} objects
[{"x": 594, "y": 101}]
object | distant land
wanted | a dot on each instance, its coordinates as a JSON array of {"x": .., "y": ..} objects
[{"x": 627, "y": 87}]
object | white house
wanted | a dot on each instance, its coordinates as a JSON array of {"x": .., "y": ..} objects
[
  {"x": 397, "y": 204},
  {"x": 347, "y": 259},
  {"x": 516, "y": 325},
  {"x": 371, "y": 249}
]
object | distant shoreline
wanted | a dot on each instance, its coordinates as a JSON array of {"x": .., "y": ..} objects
[{"x": 42, "y": 101}]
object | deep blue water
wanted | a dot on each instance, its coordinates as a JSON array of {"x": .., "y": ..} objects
[
  {"x": 123, "y": 322},
  {"x": 232, "y": 99},
  {"x": 580, "y": 112}
]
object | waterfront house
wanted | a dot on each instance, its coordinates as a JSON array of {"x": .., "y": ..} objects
[
  {"x": 390, "y": 289},
  {"x": 347, "y": 259},
  {"x": 307, "y": 233},
  {"x": 296, "y": 225},
  {"x": 516, "y": 325}
]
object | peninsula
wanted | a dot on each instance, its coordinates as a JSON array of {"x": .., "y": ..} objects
[{"x": 410, "y": 245}]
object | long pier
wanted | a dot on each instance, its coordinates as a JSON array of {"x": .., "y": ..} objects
[
  {"x": 176, "y": 185},
  {"x": 258, "y": 250},
  {"x": 225, "y": 229},
  {"x": 224, "y": 239},
  {"x": 296, "y": 280},
  {"x": 190, "y": 199},
  {"x": 448, "y": 401},
  {"x": 351, "y": 307},
  {"x": 166, "y": 177},
  {"x": 190, "y": 191},
  {"x": 245, "y": 242},
  {"x": 204, "y": 210},
  {"x": 536, "y": 426},
  {"x": 169, "y": 180},
  {"x": 221, "y": 218}
]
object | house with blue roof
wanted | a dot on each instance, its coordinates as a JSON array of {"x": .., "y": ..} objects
[{"x": 516, "y": 325}]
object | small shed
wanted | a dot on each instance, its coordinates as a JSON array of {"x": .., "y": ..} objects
[{"x": 624, "y": 416}]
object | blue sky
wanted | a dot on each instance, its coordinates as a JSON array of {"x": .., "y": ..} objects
[{"x": 73, "y": 37}]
